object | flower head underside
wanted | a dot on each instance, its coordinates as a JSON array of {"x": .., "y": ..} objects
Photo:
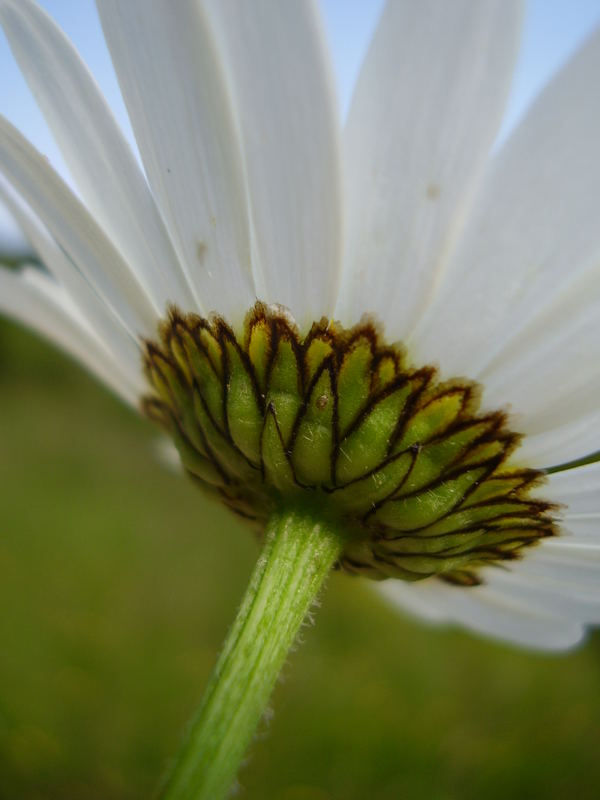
[{"x": 337, "y": 421}]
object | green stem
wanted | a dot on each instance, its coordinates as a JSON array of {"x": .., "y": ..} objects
[{"x": 298, "y": 553}]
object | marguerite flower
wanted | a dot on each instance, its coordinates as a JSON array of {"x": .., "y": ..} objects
[
  {"x": 355, "y": 322},
  {"x": 485, "y": 265}
]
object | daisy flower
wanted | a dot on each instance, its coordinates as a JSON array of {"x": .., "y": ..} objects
[{"x": 377, "y": 344}]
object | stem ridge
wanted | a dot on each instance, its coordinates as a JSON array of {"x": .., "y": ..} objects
[{"x": 299, "y": 549}]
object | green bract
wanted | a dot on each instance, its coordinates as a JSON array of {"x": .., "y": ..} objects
[{"x": 338, "y": 421}]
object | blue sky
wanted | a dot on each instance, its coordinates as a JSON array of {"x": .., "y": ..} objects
[{"x": 552, "y": 31}]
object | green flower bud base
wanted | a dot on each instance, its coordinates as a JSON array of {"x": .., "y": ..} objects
[{"x": 337, "y": 421}]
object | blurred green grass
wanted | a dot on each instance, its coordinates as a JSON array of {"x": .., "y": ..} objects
[{"x": 118, "y": 581}]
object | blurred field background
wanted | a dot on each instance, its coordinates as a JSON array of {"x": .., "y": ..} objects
[{"x": 118, "y": 581}]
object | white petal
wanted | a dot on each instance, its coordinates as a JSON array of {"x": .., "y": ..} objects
[
  {"x": 419, "y": 600},
  {"x": 180, "y": 111},
  {"x": 490, "y": 612},
  {"x": 545, "y": 596},
  {"x": 34, "y": 299},
  {"x": 75, "y": 230},
  {"x": 426, "y": 109},
  {"x": 567, "y": 550},
  {"x": 551, "y": 373},
  {"x": 98, "y": 157},
  {"x": 578, "y": 575},
  {"x": 577, "y": 489},
  {"x": 533, "y": 235},
  {"x": 107, "y": 327},
  {"x": 168, "y": 456},
  {"x": 563, "y": 583},
  {"x": 582, "y": 528},
  {"x": 567, "y": 442},
  {"x": 280, "y": 81}
]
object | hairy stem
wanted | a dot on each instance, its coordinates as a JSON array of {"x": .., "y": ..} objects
[{"x": 298, "y": 553}]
